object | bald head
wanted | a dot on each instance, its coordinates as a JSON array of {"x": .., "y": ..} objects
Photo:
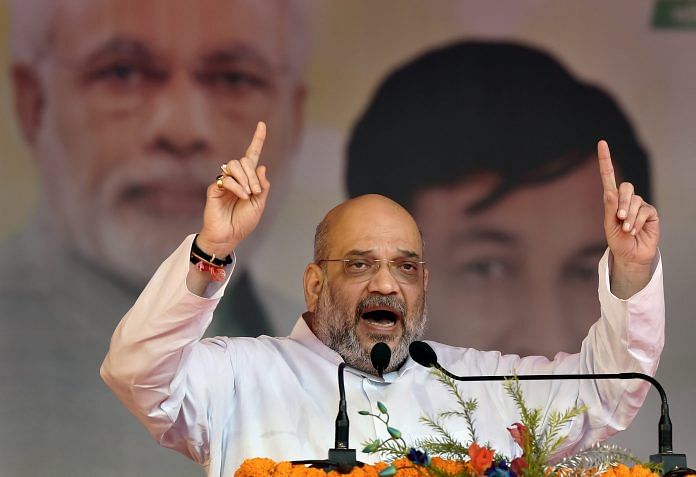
[{"x": 364, "y": 216}]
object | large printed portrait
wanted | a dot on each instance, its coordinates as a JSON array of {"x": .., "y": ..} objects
[{"x": 482, "y": 120}]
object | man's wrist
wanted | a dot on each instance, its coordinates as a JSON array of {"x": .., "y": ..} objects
[
  {"x": 210, "y": 248},
  {"x": 200, "y": 255},
  {"x": 627, "y": 278},
  {"x": 207, "y": 269}
]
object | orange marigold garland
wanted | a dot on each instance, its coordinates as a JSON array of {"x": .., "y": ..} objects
[{"x": 261, "y": 467}]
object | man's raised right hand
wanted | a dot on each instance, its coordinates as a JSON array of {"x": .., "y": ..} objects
[{"x": 233, "y": 211}]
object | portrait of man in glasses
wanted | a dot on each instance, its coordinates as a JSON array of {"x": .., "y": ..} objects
[{"x": 127, "y": 108}]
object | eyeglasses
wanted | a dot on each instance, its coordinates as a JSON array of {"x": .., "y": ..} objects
[{"x": 404, "y": 270}]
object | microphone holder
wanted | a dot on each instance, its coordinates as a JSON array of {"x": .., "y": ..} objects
[
  {"x": 673, "y": 465},
  {"x": 341, "y": 458}
]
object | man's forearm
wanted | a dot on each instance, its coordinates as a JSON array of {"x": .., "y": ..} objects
[
  {"x": 151, "y": 344},
  {"x": 197, "y": 281},
  {"x": 629, "y": 279}
]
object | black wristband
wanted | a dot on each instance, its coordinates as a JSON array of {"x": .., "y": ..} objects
[{"x": 198, "y": 255}]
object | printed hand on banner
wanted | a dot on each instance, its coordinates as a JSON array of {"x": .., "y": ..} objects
[{"x": 632, "y": 228}]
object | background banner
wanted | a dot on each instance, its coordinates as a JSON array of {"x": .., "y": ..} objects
[{"x": 480, "y": 117}]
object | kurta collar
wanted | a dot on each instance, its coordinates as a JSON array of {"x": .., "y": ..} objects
[{"x": 303, "y": 335}]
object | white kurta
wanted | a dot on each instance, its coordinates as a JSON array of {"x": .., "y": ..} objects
[{"x": 222, "y": 400}]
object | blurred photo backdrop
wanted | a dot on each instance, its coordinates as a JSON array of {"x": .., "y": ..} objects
[{"x": 116, "y": 115}]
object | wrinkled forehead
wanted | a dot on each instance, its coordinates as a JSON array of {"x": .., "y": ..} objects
[
  {"x": 180, "y": 29},
  {"x": 383, "y": 230}
]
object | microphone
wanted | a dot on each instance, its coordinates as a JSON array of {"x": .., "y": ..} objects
[
  {"x": 423, "y": 354},
  {"x": 342, "y": 423},
  {"x": 380, "y": 355},
  {"x": 341, "y": 457}
]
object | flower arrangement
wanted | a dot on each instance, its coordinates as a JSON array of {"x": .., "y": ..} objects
[
  {"x": 537, "y": 442},
  {"x": 441, "y": 455}
]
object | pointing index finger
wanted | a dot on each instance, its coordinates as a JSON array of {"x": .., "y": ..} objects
[
  {"x": 606, "y": 169},
  {"x": 253, "y": 152}
]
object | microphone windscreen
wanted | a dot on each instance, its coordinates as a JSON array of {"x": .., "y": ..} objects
[
  {"x": 422, "y": 354},
  {"x": 380, "y": 356}
]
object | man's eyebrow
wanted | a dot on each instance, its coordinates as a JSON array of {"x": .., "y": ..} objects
[
  {"x": 484, "y": 234},
  {"x": 359, "y": 253},
  {"x": 409, "y": 253},
  {"x": 120, "y": 45},
  {"x": 237, "y": 53},
  {"x": 402, "y": 252}
]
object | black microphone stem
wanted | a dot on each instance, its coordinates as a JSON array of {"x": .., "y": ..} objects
[
  {"x": 341, "y": 440},
  {"x": 341, "y": 457},
  {"x": 665, "y": 425},
  {"x": 672, "y": 463}
]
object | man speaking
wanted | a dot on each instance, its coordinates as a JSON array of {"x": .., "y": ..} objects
[{"x": 222, "y": 400}]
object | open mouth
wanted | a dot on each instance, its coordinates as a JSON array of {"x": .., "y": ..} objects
[{"x": 381, "y": 317}]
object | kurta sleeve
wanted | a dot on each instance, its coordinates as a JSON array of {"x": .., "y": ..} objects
[
  {"x": 158, "y": 366},
  {"x": 628, "y": 337}
]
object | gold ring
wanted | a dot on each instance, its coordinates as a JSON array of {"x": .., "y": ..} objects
[{"x": 218, "y": 181}]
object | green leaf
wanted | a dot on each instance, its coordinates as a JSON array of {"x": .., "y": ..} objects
[
  {"x": 371, "y": 447},
  {"x": 382, "y": 407},
  {"x": 364, "y": 413},
  {"x": 395, "y": 433},
  {"x": 387, "y": 471}
]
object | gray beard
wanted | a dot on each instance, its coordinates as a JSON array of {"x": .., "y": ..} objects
[{"x": 336, "y": 328}]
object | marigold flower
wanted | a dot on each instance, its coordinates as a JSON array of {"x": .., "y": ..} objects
[
  {"x": 481, "y": 464},
  {"x": 481, "y": 458},
  {"x": 283, "y": 469},
  {"x": 640, "y": 471},
  {"x": 451, "y": 467},
  {"x": 406, "y": 468},
  {"x": 623, "y": 471},
  {"x": 258, "y": 467}
]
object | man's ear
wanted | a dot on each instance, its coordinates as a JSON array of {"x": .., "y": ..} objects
[
  {"x": 426, "y": 276},
  {"x": 313, "y": 283},
  {"x": 28, "y": 100}
]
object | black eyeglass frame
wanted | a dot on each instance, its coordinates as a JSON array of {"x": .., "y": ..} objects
[{"x": 368, "y": 274}]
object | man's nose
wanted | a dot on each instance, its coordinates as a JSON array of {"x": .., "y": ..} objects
[
  {"x": 383, "y": 282},
  {"x": 179, "y": 123}
]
